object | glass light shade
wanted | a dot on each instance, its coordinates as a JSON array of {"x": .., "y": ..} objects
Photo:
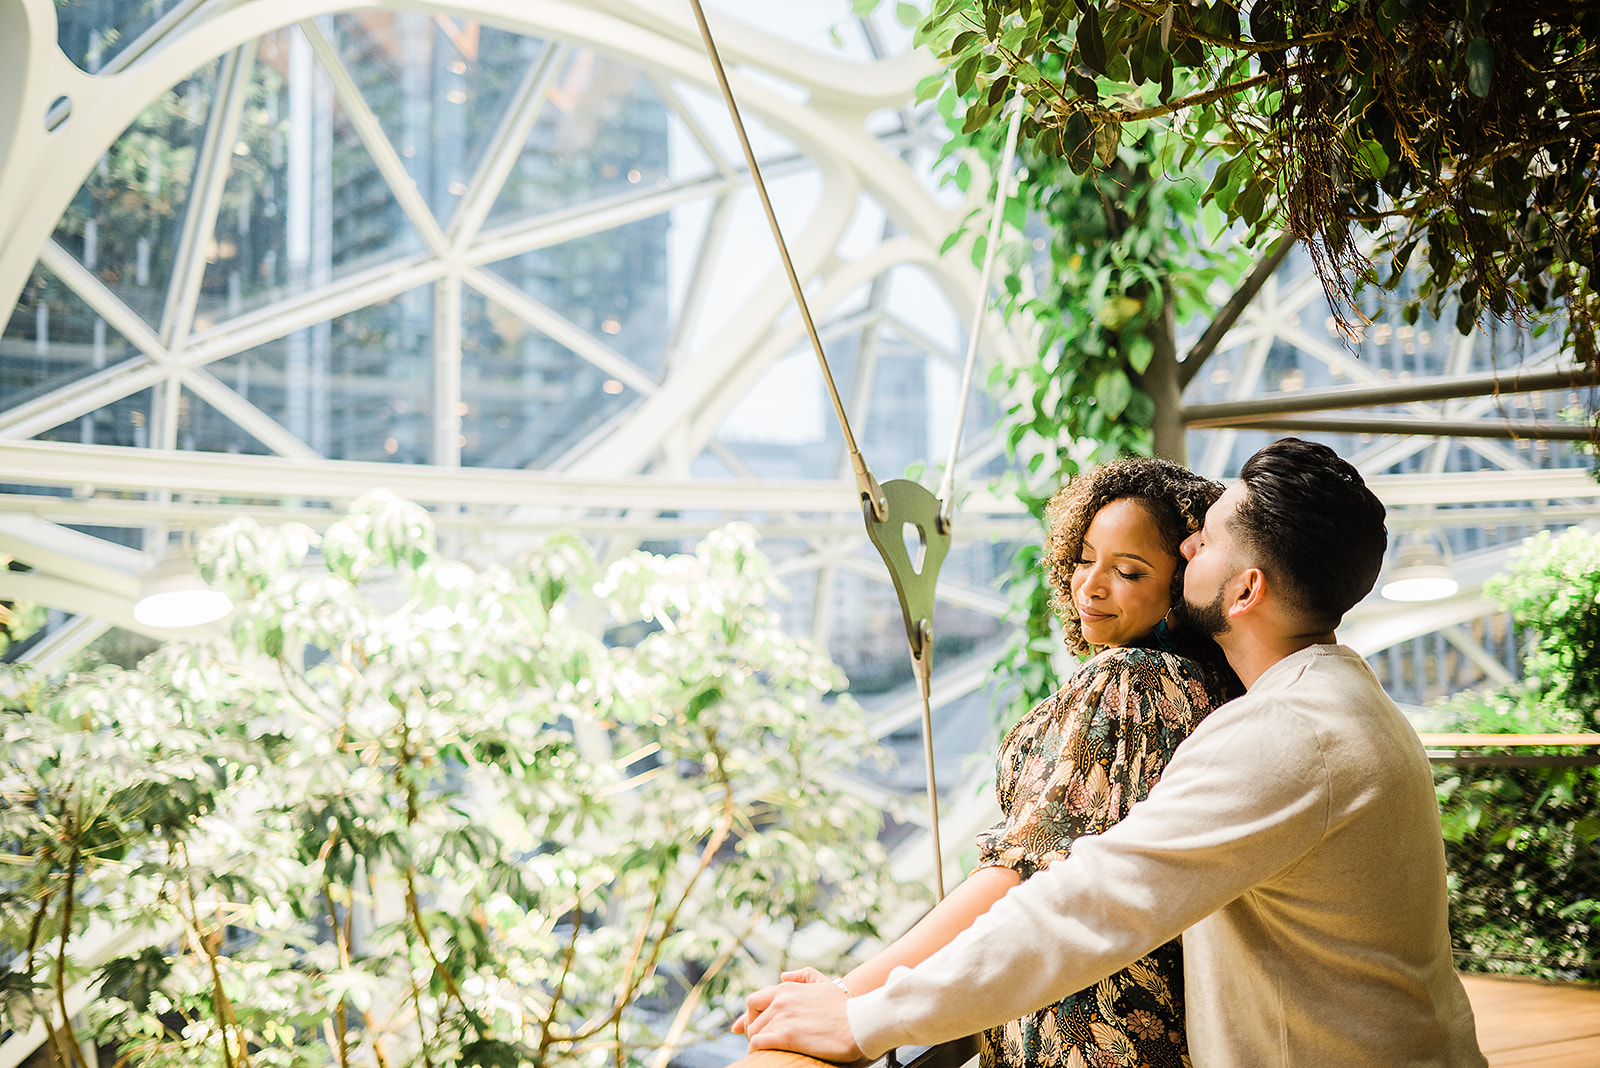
[
  {"x": 1421, "y": 574},
  {"x": 174, "y": 596}
]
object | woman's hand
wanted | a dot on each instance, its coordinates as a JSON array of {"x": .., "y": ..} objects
[
  {"x": 805, "y": 1014},
  {"x": 803, "y": 975}
]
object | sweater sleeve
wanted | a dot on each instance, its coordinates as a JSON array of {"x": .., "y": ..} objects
[
  {"x": 1091, "y": 751},
  {"x": 1245, "y": 796}
]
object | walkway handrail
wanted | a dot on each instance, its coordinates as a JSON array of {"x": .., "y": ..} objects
[
  {"x": 952, "y": 1054},
  {"x": 1462, "y": 750}
]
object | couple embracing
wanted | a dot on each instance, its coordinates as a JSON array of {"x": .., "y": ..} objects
[{"x": 1219, "y": 769}]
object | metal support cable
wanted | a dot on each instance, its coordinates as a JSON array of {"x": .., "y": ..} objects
[
  {"x": 892, "y": 510},
  {"x": 871, "y": 492},
  {"x": 947, "y": 488}
]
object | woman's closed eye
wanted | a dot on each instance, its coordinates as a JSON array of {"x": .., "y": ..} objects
[{"x": 1131, "y": 576}]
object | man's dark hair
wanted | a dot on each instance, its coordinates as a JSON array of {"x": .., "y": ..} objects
[{"x": 1313, "y": 526}]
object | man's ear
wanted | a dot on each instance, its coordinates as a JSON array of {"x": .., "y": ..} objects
[{"x": 1250, "y": 588}]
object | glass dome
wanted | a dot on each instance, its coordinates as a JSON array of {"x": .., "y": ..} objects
[{"x": 506, "y": 260}]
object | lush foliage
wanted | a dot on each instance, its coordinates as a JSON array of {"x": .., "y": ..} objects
[
  {"x": 1101, "y": 267},
  {"x": 1554, "y": 588},
  {"x": 409, "y": 813},
  {"x": 1524, "y": 842},
  {"x": 1466, "y": 129},
  {"x": 1128, "y": 263}
]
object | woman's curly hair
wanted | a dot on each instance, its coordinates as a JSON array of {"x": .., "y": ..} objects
[{"x": 1173, "y": 496}]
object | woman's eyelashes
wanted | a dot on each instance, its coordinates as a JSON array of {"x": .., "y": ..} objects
[{"x": 1131, "y": 576}]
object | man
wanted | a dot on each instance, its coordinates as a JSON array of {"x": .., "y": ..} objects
[{"x": 1293, "y": 839}]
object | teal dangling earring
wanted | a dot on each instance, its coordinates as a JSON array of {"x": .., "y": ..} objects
[{"x": 1163, "y": 635}]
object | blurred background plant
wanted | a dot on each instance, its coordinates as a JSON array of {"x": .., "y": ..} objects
[
  {"x": 1524, "y": 841},
  {"x": 411, "y": 812}
]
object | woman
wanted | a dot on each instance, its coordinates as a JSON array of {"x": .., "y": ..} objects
[{"x": 1077, "y": 762}]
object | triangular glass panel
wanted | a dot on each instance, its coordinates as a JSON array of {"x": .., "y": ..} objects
[
  {"x": 303, "y": 206},
  {"x": 784, "y": 426},
  {"x": 710, "y": 112},
  {"x": 53, "y": 339},
  {"x": 357, "y": 388},
  {"x": 895, "y": 433},
  {"x": 201, "y": 428},
  {"x": 439, "y": 85},
  {"x": 124, "y": 222},
  {"x": 603, "y": 132},
  {"x": 746, "y": 258},
  {"x": 526, "y": 399},
  {"x": 612, "y": 285},
  {"x": 125, "y": 422},
  {"x": 247, "y": 261},
  {"x": 354, "y": 220},
  {"x": 91, "y": 34}
]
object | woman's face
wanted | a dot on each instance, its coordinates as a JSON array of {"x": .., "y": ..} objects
[{"x": 1123, "y": 582}]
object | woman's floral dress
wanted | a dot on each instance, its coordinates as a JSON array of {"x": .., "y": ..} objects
[{"x": 1074, "y": 766}]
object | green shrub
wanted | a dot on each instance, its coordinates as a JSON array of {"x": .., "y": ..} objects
[
  {"x": 409, "y": 812},
  {"x": 1521, "y": 842}
]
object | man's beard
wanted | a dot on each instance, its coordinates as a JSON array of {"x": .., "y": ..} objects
[{"x": 1209, "y": 619}]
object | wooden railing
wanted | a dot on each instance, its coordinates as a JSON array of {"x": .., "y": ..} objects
[
  {"x": 945, "y": 1055},
  {"x": 1462, "y": 749}
]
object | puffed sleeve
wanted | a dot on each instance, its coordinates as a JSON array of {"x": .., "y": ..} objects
[{"x": 1079, "y": 761}]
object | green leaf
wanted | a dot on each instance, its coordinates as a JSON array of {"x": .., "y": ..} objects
[
  {"x": 1091, "y": 45},
  {"x": 1077, "y": 137},
  {"x": 1140, "y": 352},
  {"x": 1248, "y": 204},
  {"x": 1107, "y": 139},
  {"x": 1480, "y": 66},
  {"x": 906, "y": 13},
  {"x": 1372, "y": 158},
  {"x": 978, "y": 117},
  {"x": 965, "y": 73},
  {"x": 1113, "y": 391},
  {"x": 1028, "y": 74}
]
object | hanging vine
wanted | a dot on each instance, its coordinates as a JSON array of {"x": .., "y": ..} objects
[
  {"x": 1104, "y": 266},
  {"x": 1462, "y": 135}
]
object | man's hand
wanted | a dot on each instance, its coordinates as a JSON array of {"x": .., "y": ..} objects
[{"x": 804, "y": 1013}]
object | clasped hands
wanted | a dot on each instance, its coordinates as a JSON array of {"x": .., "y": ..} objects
[{"x": 804, "y": 1012}]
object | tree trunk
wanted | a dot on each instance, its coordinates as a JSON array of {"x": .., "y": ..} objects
[{"x": 1160, "y": 380}]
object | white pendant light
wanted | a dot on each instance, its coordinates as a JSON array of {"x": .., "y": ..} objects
[
  {"x": 1421, "y": 573},
  {"x": 174, "y": 595}
]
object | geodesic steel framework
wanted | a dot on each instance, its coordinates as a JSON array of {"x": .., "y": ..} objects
[{"x": 197, "y": 394}]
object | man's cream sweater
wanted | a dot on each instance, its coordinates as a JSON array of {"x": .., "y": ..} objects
[{"x": 1294, "y": 842}]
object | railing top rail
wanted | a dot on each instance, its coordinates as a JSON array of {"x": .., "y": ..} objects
[
  {"x": 1506, "y": 741},
  {"x": 951, "y": 1054}
]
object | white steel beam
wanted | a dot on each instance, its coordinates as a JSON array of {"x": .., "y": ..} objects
[
  {"x": 209, "y": 510},
  {"x": 372, "y": 286},
  {"x": 257, "y": 423},
  {"x": 583, "y": 220},
  {"x": 57, "y": 550},
  {"x": 259, "y": 478},
  {"x": 104, "y": 303},
  {"x": 81, "y": 397},
  {"x": 447, "y": 371},
  {"x": 52, "y": 654},
  {"x": 211, "y": 167}
]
